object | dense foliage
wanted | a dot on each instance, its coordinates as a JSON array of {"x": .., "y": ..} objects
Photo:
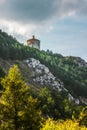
[
  {"x": 62, "y": 125},
  {"x": 18, "y": 110},
  {"x": 21, "y": 110},
  {"x": 66, "y": 69},
  {"x": 56, "y": 105},
  {"x": 2, "y": 74}
]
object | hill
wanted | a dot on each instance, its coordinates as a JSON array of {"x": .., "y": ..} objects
[
  {"x": 66, "y": 75},
  {"x": 71, "y": 70}
]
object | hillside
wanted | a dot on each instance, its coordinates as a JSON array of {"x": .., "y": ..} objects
[
  {"x": 72, "y": 71},
  {"x": 60, "y": 83}
]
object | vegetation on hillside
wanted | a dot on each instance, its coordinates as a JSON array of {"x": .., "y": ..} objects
[
  {"x": 62, "y": 125},
  {"x": 73, "y": 75},
  {"x": 2, "y": 74},
  {"x": 20, "y": 111}
]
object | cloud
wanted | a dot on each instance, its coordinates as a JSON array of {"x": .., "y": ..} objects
[
  {"x": 26, "y": 16},
  {"x": 17, "y": 29},
  {"x": 83, "y": 8},
  {"x": 28, "y": 10},
  {"x": 37, "y": 11}
]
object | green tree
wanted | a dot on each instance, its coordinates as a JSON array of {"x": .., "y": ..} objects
[
  {"x": 2, "y": 74},
  {"x": 17, "y": 108},
  {"x": 83, "y": 117},
  {"x": 46, "y": 102}
]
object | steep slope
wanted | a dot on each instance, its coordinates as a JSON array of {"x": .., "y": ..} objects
[
  {"x": 72, "y": 71},
  {"x": 38, "y": 75},
  {"x": 41, "y": 75}
]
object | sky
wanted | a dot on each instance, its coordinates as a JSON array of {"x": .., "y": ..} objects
[{"x": 60, "y": 25}]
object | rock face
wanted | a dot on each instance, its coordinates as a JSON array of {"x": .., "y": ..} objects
[
  {"x": 80, "y": 62},
  {"x": 83, "y": 100},
  {"x": 42, "y": 75}
]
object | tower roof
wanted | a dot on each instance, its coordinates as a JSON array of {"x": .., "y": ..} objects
[{"x": 31, "y": 41}]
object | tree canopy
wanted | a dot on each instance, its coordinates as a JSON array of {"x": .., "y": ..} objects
[{"x": 18, "y": 110}]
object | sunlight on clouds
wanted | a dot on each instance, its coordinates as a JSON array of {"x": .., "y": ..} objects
[
  {"x": 71, "y": 13},
  {"x": 14, "y": 27},
  {"x": 68, "y": 14},
  {"x": 49, "y": 28},
  {"x": 24, "y": 30}
]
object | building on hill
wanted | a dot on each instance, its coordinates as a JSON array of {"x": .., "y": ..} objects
[{"x": 35, "y": 43}]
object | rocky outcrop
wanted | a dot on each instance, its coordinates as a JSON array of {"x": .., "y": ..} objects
[
  {"x": 83, "y": 100},
  {"x": 79, "y": 61},
  {"x": 42, "y": 75}
]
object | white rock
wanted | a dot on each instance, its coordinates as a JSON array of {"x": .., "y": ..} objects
[
  {"x": 46, "y": 70},
  {"x": 30, "y": 65},
  {"x": 59, "y": 89},
  {"x": 70, "y": 97},
  {"x": 65, "y": 90},
  {"x": 77, "y": 101},
  {"x": 38, "y": 71},
  {"x": 26, "y": 61},
  {"x": 55, "y": 83},
  {"x": 83, "y": 100}
]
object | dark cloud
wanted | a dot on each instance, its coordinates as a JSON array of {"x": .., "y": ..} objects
[
  {"x": 38, "y": 11},
  {"x": 77, "y": 6},
  {"x": 29, "y": 10},
  {"x": 83, "y": 8}
]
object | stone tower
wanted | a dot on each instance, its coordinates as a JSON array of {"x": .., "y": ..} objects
[{"x": 35, "y": 43}]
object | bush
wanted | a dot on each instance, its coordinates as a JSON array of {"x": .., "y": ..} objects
[{"x": 62, "y": 125}]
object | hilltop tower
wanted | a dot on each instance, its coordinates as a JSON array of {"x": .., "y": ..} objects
[{"x": 35, "y": 43}]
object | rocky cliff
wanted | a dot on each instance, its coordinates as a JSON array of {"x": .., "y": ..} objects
[{"x": 42, "y": 75}]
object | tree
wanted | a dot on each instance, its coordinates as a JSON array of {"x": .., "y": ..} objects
[
  {"x": 17, "y": 108},
  {"x": 2, "y": 74},
  {"x": 46, "y": 102},
  {"x": 51, "y": 124},
  {"x": 83, "y": 117}
]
